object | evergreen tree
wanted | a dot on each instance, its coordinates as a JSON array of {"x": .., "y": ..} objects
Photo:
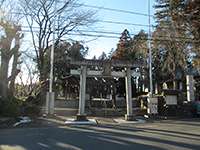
[
  {"x": 171, "y": 44},
  {"x": 130, "y": 48},
  {"x": 103, "y": 56},
  {"x": 169, "y": 10},
  {"x": 192, "y": 21},
  {"x": 139, "y": 46},
  {"x": 123, "y": 47}
]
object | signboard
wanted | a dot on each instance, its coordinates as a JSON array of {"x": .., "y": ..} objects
[
  {"x": 171, "y": 99},
  {"x": 152, "y": 105}
]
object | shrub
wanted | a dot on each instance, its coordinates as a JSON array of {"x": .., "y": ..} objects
[
  {"x": 30, "y": 106},
  {"x": 9, "y": 107}
]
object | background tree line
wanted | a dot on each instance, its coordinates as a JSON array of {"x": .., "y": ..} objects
[
  {"x": 175, "y": 41},
  {"x": 40, "y": 16}
]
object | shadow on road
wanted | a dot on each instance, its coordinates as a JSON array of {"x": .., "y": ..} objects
[{"x": 153, "y": 136}]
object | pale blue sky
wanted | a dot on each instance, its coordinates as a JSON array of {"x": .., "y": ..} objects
[
  {"x": 100, "y": 44},
  {"x": 97, "y": 46},
  {"x": 106, "y": 44}
]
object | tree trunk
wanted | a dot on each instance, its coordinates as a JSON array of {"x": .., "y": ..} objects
[
  {"x": 16, "y": 56},
  {"x": 43, "y": 83},
  {"x": 14, "y": 72},
  {"x": 4, "y": 76}
]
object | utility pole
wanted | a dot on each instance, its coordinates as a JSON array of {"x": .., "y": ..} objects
[
  {"x": 52, "y": 51},
  {"x": 150, "y": 50},
  {"x": 50, "y": 95}
]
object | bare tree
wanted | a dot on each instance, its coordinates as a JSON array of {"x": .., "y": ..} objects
[
  {"x": 27, "y": 79},
  {"x": 40, "y": 15},
  {"x": 12, "y": 35},
  {"x": 10, "y": 42}
]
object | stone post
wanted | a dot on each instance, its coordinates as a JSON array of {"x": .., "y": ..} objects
[
  {"x": 81, "y": 116},
  {"x": 190, "y": 88},
  {"x": 156, "y": 88},
  {"x": 174, "y": 85},
  {"x": 129, "y": 115},
  {"x": 50, "y": 98}
]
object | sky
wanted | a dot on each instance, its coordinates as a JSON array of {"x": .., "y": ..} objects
[
  {"x": 97, "y": 46},
  {"x": 102, "y": 44}
]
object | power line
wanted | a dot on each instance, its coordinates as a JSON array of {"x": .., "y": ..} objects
[
  {"x": 92, "y": 35},
  {"x": 159, "y": 38},
  {"x": 115, "y": 22},
  {"x": 124, "y": 23},
  {"x": 112, "y": 22},
  {"x": 118, "y": 22},
  {"x": 152, "y": 39},
  {"x": 115, "y": 10},
  {"x": 82, "y": 32},
  {"x": 104, "y": 21},
  {"x": 111, "y": 9}
]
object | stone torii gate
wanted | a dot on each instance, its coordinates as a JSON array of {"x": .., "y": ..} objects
[{"x": 106, "y": 71}]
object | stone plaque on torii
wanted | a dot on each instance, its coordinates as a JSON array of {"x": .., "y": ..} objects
[{"x": 106, "y": 71}]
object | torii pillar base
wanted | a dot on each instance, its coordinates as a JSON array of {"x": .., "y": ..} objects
[
  {"x": 80, "y": 117},
  {"x": 129, "y": 117}
]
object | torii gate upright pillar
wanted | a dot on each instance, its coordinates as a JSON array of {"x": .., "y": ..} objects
[
  {"x": 81, "y": 116},
  {"x": 129, "y": 115},
  {"x": 106, "y": 72},
  {"x": 190, "y": 88}
]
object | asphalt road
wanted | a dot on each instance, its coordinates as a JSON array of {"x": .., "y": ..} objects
[{"x": 172, "y": 135}]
